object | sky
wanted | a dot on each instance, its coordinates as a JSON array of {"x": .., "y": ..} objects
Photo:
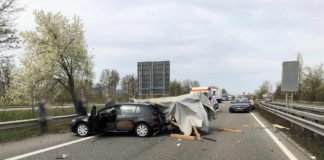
[{"x": 234, "y": 45}]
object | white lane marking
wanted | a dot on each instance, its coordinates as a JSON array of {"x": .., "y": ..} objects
[
  {"x": 48, "y": 149},
  {"x": 275, "y": 139}
]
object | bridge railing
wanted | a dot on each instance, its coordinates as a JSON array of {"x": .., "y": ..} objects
[{"x": 305, "y": 119}]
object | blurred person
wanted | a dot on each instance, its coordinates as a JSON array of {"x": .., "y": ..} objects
[
  {"x": 43, "y": 104},
  {"x": 82, "y": 107},
  {"x": 214, "y": 101},
  {"x": 213, "y": 98},
  {"x": 109, "y": 102}
]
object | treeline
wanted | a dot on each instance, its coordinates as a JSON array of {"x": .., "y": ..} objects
[
  {"x": 182, "y": 87},
  {"x": 311, "y": 85},
  {"x": 56, "y": 64}
]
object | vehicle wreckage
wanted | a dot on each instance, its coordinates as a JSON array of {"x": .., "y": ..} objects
[
  {"x": 189, "y": 110},
  {"x": 147, "y": 117}
]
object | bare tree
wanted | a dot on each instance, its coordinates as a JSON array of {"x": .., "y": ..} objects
[
  {"x": 176, "y": 88},
  {"x": 104, "y": 78},
  {"x": 264, "y": 88},
  {"x": 113, "y": 81},
  {"x": 129, "y": 85},
  {"x": 188, "y": 84},
  {"x": 313, "y": 79},
  {"x": 110, "y": 79},
  {"x": 301, "y": 65}
]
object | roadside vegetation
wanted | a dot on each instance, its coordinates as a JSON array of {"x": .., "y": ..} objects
[
  {"x": 16, "y": 134},
  {"x": 56, "y": 63},
  {"x": 27, "y": 114},
  {"x": 311, "y": 86}
]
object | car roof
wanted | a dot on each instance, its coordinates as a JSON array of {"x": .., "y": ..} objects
[{"x": 135, "y": 104}]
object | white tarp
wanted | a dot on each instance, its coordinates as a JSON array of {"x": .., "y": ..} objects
[{"x": 188, "y": 110}]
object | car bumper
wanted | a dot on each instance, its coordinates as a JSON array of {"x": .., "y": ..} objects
[
  {"x": 73, "y": 127},
  {"x": 240, "y": 109}
]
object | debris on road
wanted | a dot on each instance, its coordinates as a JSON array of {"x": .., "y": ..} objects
[
  {"x": 210, "y": 139},
  {"x": 62, "y": 156},
  {"x": 197, "y": 133},
  {"x": 229, "y": 130},
  {"x": 174, "y": 123},
  {"x": 178, "y": 144},
  {"x": 276, "y": 127},
  {"x": 179, "y": 136},
  {"x": 155, "y": 133},
  {"x": 94, "y": 139}
]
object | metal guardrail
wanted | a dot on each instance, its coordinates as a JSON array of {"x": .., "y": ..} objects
[
  {"x": 30, "y": 122},
  {"x": 302, "y": 107},
  {"x": 292, "y": 116}
]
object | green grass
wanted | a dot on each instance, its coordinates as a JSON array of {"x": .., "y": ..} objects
[
  {"x": 27, "y": 114},
  {"x": 16, "y": 134},
  {"x": 16, "y": 103}
]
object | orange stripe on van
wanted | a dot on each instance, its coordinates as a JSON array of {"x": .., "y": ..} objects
[{"x": 200, "y": 90}]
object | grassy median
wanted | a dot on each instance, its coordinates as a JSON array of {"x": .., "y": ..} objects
[
  {"x": 28, "y": 114},
  {"x": 15, "y": 134}
]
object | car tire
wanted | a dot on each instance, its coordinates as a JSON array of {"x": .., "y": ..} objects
[
  {"x": 82, "y": 129},
  {"x": 142, "y": 130},
  {"x": 231, "y": 111}
]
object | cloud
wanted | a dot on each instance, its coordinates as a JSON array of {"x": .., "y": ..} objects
[{"x": 231, "y": 44}]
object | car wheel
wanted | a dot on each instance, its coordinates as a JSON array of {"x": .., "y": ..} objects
[
  {"x": 231, "y": 111},
  {"x": 82, "y": 130},
  {"x": 142, "y": 130}
]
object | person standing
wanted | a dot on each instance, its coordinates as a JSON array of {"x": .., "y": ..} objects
[
  {"x": 82, "y": 107},
  {"x": 110, "y": 102},
  {"x": 43, "y": 104},
  {"x": 214, "y": 100}
]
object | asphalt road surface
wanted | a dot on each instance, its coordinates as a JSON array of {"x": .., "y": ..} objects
[{"x": 254, "y": 143}]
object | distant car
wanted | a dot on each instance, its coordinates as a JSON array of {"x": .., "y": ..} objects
[
  {"x": 142, "y": 119},
  {"x": 224, "y": 97},
  {"x": 240, "y": 105},
  {"x": 268, "y": 100},
  {"x": 252, "y": 104}
]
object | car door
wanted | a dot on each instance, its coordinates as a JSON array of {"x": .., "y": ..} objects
[
  {"x": 126, "y": 117},
  {"x": 92, "y": 119},
  {"x": 106, "y": 118}
]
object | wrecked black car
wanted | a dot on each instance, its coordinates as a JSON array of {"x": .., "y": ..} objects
[{"x": 141, "y": 119}]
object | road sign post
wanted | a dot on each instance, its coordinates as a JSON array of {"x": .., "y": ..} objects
[{"x": 290, "y": 80}]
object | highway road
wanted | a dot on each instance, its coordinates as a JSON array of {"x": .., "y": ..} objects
[{"x": 254, "y": 143}]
